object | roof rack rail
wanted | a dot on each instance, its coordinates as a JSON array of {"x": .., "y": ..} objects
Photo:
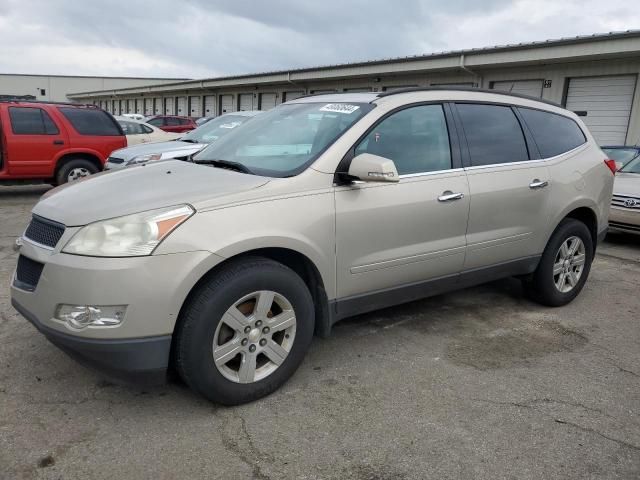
[
  {"x": 467, "y": 89},
  {"x": 23, "y": 100}
]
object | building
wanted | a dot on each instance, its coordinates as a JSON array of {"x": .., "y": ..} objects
[
  {"x": 596, "y": 76},
  {"x": 56, "y": 88}
]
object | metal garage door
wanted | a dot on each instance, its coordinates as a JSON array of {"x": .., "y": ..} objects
[
  {"x": 532, "y": 88},
  {"x": 209, "y": 105},
  {"x": 226, "y": 104},
  {"x": 139, "y": 106},
  {"x": 182, "y": 106},
  {"x": 148, "y": 106},
  {"x": 169, "y": 106},
  {"x": 196, "y": 108},
  {"x": 604, "y": 104},
  {"x": 157, "y": 106},
  {"x": 246, "y": 101},
  {"x": 292, "y": 95},
  {"x": 267, "y": 101}
]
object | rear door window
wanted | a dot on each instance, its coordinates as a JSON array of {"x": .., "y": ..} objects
[
  {"x": 89, "y": 121},
  {"x": 554, "y": 134},
  {"x": 172, "y": 121},
  {"x": 416, "y": 139},
  {"x": 493, "y": 134},
  {"x": 156, "y": 122},
  {"x": 31, "y": 121}
]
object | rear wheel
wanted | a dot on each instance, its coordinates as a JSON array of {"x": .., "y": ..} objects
[
  {"x": 564, "y": 266},
  {"x": 74, "y": 170},
  {"x": 245, "y": 331}
]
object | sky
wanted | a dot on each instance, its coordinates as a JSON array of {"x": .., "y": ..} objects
[{"x": 211, "y": 38}]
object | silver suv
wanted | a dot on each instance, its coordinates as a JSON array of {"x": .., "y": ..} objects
[{"x": 322, "y": 208}]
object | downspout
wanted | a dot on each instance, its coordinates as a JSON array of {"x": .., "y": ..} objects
[
  {"x": 469, "y": 71},
  {"x": 294, "y": 83}
]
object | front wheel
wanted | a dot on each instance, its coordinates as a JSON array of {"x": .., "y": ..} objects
[
  {"x": 564, "y": 266},
  {"x": 245, "y": 331}
]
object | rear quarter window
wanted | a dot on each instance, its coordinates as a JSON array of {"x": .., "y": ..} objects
[
  {"x": 91, "y": 121},
  {"x": 554, "y": 134}
]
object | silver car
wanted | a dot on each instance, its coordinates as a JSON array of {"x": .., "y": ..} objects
[
  {"x": 319, "y": 209},
  {"x": 186, "y": 145},
  {"x": 625, "y": 205}
]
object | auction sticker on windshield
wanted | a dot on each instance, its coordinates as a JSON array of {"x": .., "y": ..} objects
[
  {"x": 339, "y": 108},
  {"x": 230, "y": 125}
]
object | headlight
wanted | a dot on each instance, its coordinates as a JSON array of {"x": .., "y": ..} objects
[
  {"x": 144, "y": 158},
  {"x": 130, "y": 236}
]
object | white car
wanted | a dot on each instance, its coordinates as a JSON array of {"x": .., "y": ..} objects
[
  {"x": 140, "y": 132},
  {"x": 135, "y": 116}
]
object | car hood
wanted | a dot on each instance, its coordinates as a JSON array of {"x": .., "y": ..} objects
[
  {"x": 140, "y": 188},
  {"x": 627, "y": 184},
  {"x": 170, "y": 149}
]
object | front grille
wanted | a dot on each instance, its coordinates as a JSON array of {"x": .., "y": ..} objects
[
  {"x": 115, "y": 160},
  {"x": 625, "y": 226},
  {"x": 625, "y": 201},
  {"x": 28, "y": 273},
  {"x": 43, "y": 231}
]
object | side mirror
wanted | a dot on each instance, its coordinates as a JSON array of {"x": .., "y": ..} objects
[{"x": 372, "y": 168}]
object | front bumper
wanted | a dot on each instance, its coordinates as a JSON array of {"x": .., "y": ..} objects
[
  {"x": 624, "y": 220},
  {"x": 135, "y": 360},
  {"x": 153, "y": 288}
]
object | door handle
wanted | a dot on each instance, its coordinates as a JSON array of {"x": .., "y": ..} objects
[
  {"x": 58, "y": 142},
  {"x": 538, "y": 184},
  {"x": 449, "y": 196}
]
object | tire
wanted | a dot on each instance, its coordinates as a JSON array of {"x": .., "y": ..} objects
[
  {"x": 78, "y": 168},
  {"x": 240, "y": 286},
  {"x": 550, "y": 288}
]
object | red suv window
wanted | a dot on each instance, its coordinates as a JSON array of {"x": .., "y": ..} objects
[
  {"x": 31, "y": 121},
  {"x": 91, "y": 121}
]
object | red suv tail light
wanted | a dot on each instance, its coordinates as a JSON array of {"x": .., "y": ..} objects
[{"x": 612, "y": 165}]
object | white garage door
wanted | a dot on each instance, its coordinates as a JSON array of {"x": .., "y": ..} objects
[
  {"x": 604, "y": 104},
  {"x": 533, "y": 88},
  {"x": 169, "y": 106},
  {"x": 139, "y": 106},
  {"x": 182, "y": 106},
  {"x": 209, "y": 105},
  {"x": 157, "y": 106},
  {"x": 267, "y": 101},
  {"x": 292, "y": 95},
  {"x": 194, "y": 105},
  {"x": 148, "y": 106},
  {"x": 246, "y": 102},
  {"x": 226, "y": 104}
]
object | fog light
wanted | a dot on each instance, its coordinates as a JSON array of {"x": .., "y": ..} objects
[{"x": 81, "y": 316}]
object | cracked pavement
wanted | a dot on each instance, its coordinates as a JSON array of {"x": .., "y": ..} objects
[{"x": 477, "y": 384}]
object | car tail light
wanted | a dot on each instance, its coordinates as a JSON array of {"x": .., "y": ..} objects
[{"x": 612, "y": 165}]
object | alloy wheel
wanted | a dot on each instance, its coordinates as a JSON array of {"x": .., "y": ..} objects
[
  {"x": 569, "y": 264},
  {"x": 254, "y": 337}
]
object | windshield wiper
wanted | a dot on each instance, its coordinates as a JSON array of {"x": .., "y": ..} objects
[
  {"x": 229, "y": 165},
  {"x": 190, "y": 140}
]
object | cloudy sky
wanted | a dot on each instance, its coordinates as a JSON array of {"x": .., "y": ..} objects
[{"x": 207, "y": 38}]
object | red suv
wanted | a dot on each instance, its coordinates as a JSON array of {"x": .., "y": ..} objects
[
  {"x": 55, "y": 142},
  {"x": 172, "y": 123}
]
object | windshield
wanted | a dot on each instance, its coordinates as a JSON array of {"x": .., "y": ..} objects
[
  {"x": 216, "y": 128},
  {"x": 632, "y": 167},
  {"x": 622, "y": 155},
  {"x": 285, "y": 140}
]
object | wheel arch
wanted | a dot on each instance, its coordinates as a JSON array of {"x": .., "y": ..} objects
[
  {"x": 585, "y": 212},
  {"x": 84, "y": 155},
  {"x": 300, "y": 263}
]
